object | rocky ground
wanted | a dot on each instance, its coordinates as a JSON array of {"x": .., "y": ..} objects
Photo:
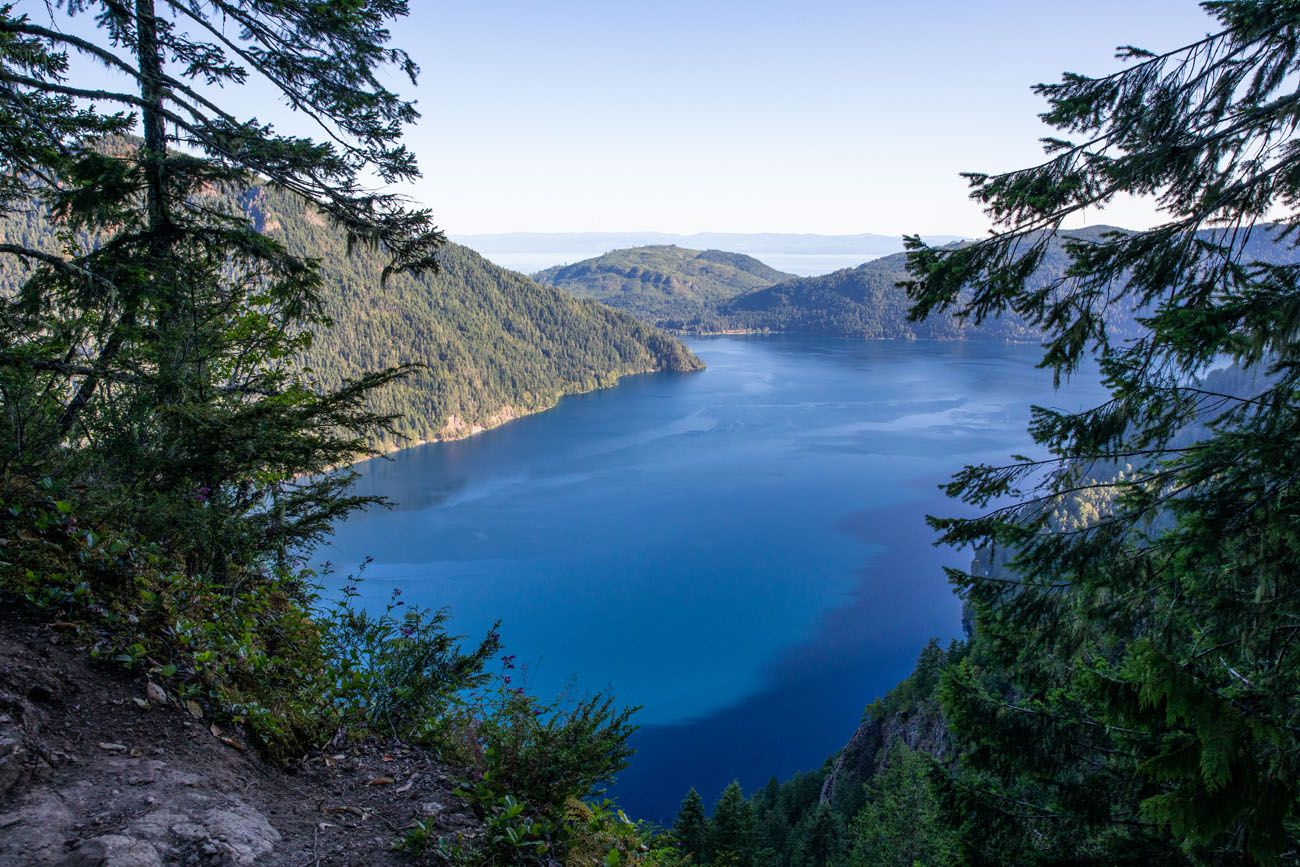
[{"x": 100, "y": 768}]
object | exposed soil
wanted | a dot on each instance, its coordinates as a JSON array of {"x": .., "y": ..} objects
[{"x": 97, "y": 768}]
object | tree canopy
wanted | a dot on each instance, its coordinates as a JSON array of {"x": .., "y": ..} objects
[
  {"x": 164, "y": 462},
  {"x": 149, "y": 356},
  {"x": 1132, "y": 697}
]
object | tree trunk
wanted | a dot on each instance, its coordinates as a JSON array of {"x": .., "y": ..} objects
[{"x": 154, "y": 155}]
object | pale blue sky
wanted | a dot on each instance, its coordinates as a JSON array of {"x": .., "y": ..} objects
[
  {"x": 816, "y": 116},
  {"x": 822, "y": 116}
]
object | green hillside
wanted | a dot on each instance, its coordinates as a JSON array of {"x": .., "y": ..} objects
[
  {"x": 867, "y": 302},
  {"x": 711, "y": 291},
  {"x": 663, "y": 283},
  {"x": 497, "y": 344}
]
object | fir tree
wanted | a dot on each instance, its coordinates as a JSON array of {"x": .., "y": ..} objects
[
  {"x": 900, "y": 824},
  {"x": 1131, "y": 698},
  {"x": 691, "y": 826},
  {"x": 165, "y": 461},
  {"x": 732, "y": 828},
  {"x": 149, "y": 362},
  {"x": 822, "y": 840}
]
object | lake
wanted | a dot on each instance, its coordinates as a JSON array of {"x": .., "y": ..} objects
[{"x": 740, "y": 551}]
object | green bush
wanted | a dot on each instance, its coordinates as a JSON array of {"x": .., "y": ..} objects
[
  {"x": 551, "y": 753},
  {"x": 398, "y": 671},
  {"x": 533, "y": 765},
  {"x": 253, "y": 650}
]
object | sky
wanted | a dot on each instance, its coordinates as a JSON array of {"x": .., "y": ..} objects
[{"x": 819, "y": 116}]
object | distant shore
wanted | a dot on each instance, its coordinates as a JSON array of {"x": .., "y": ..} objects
[{"x": 457, "y": 429}]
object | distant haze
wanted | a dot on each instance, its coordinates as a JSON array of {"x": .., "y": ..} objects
[{"x": 802, "y": 254}]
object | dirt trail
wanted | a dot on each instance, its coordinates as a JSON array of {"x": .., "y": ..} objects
[{"x": 96, "y": 769}]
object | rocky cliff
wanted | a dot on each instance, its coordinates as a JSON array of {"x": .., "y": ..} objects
[{"x": 919, "y": 727}]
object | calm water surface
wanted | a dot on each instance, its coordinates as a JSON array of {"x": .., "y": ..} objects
[{"x": 741, "y": 551}]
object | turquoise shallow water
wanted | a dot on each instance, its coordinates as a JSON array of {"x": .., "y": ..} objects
[{"x": 741, "y": 551}]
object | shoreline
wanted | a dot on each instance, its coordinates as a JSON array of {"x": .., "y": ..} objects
[
  {"x": 765, "y": 332},
  {"x": 503, "y": 416},
  {"x": 507, "y": 413}
]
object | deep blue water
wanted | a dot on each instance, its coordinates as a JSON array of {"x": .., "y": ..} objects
[{"x": 741, "y": 551}]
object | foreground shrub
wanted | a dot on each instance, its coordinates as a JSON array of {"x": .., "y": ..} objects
[
  {"x": 255, "y": 650},
  {"x": 533, "y": 768},
  {"x": 400, "y": 671}
]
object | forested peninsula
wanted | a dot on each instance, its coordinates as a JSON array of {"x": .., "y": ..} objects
[{"x": 663, "y": 283}]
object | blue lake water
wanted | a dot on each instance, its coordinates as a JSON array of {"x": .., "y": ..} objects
[{"x": 740, "y": 551}]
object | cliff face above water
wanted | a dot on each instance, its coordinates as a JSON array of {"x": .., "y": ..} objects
[
  {"x": 919, "y": 727},
  {"x": 907, "y": 717}
]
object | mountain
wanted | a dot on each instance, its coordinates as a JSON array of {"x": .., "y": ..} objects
[
  {"x": 804, "y": 254},
  {"x": 497, "y": 344},
  {"x": 855, "y": 302},
  {"x": 867, "y": 302},
  {"x": 711, "y": 291},
  {"x": 775, "y": 242},
  {"x": 663, "y": 282}
]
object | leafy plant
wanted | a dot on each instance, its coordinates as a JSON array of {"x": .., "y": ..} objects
[{"x": 398, "y": 670}]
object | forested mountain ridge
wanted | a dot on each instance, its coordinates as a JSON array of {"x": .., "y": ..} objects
[
  {"x": 495, "y": 344},
  {"x": 662, "y": 282},
  {"x": 866, "y": 302},
  {"x": 712, "y": 291}
]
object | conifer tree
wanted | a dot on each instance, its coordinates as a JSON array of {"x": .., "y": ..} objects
[
  {"x": 732, "y": 827},
  {"x": 691, "y": 826},
  {"x": 771, "y": 796},
  {"x": 1132, "y": 694},
  {"x": 822, "y": 841},
  {"x": 149, "y": 361},
  {"x": 900, "y": 824}
]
